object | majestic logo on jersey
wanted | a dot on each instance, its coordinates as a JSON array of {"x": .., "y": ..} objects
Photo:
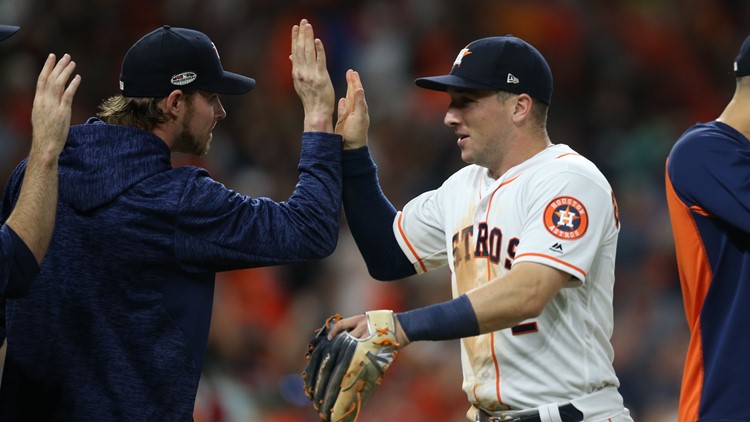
[
  {"x": 566, "y": 218},
  {"x": 557, "y": 247},
  {"x": 461, "y": 54}
]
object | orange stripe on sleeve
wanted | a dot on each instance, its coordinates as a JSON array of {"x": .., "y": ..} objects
[
  {"x": 553, "y": 259},
  {"x": 414, "y": 252},
  {"x": 567, "y": 153}
]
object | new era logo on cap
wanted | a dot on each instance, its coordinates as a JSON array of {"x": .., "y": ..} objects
[{"x": 503, "y": 63}]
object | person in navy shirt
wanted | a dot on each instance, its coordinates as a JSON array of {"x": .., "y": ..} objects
[
  {"x": 708, "y": 192},
  {"x": 27, "y": 231},
  {"x": 116, "y": 325}
]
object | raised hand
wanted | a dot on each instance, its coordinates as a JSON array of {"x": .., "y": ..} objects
[
  {"x": 50, "y": 115},
  {"x": 353, "y": 117},
  {"x": 311, "y": 79},
  {"x": 33, "y": 217}
]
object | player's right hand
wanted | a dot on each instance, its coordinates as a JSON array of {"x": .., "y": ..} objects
[
  {"x": 357, "y": 326},
  {"x": 353, "y": 116},
  {"x": 311, "y": 79},
  {"x": 50, "y": 114}
]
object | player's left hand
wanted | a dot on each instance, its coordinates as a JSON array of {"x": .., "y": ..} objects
[
  {"x": 353, "y": 116},
  {"x": 311, "y": 79}
]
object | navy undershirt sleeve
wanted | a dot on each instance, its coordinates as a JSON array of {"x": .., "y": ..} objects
[
  {"x": 449, "y": 320},
  {"x": 370, "y": 217},
  {"x": 23, "y": 267}
]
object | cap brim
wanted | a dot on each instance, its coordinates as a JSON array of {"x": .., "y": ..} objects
[
  {"x": 6, "y": 31},
  {"x": 230, "y": 83},
  {"x": 442, "y": 83}
]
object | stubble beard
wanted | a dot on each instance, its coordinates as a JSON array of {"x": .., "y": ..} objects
[{"x": 189, "y": 142}]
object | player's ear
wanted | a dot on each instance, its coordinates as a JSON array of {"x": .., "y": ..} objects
[
  {"x": 174, "y": 103},
  {"x": 522, "y": 108}
]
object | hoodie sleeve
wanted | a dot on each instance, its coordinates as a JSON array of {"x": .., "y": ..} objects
[
  {"x": 19, "y": 266},
  {"x": 219, "y": 229},
  {"x": 10, "y": 195}
]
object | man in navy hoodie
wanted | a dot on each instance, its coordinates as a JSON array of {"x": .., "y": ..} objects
[
  {"x": 116, "y": 326},
  {"x": 27, "y": 231}
]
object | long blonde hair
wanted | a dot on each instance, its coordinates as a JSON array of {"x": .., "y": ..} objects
[{"x": 140, "y": 112}]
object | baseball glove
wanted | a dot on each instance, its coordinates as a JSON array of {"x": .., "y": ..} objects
[{"x": 341, "y": 374}]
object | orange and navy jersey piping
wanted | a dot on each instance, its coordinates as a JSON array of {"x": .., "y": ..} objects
[{"x": 708, "y": 194}]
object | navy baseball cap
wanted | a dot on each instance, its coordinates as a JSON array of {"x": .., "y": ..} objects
[
  {"x": 7, "y": 30},
  {"x": 742, "y": 62},
  {"x": 503, "y": 63},
  {"x": 171, "y": 58}
]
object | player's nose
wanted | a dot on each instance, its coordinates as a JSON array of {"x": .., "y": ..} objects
[
  {"x": 451, "y": 117},
  {"x": 219, "y": 111}
]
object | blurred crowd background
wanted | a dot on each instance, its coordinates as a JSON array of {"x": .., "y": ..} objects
[{"x": 630, "y": 77}]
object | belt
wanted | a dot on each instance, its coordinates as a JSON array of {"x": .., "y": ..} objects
[{"x": 568, "y": 413}]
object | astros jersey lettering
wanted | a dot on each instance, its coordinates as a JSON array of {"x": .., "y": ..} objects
[{"x": 556, "y": 209}]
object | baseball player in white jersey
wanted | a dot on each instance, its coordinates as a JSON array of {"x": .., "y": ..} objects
[{"x": 529, "y": 231}]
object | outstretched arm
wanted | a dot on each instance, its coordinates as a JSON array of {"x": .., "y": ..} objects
[
  {"x": 369, "y": 213},
  {"x": 31, "y": 223},
  {"x": 520, "y": 294},
  {"x": 311, "y": 79}
]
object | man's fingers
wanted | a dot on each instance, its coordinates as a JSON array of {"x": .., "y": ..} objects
[
  {"x": 356, "y": 326},
  {"x": 295, "y": 35},
  {"x": 308, "y": 40},
  {"x": 70, "y": 91},
  {"x": 359, "y": 99},
  {"x": 59, "y": 67},
  {"x": 358, "y": 80},
  {"x": 349, "y": 83},
  {"x": 65, "y": 73},
  {"x": 298, "y": 47},
  {"x": 342, "y": 108},
  {"x": 49, "y": 64},
  {"x": 320, "y": 54},
  {"x": 340, "y": 326},
  {"x": 299, "y": 50},
  {"x": 355, "y": 93}
]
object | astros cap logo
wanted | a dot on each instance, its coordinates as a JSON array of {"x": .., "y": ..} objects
[
  {"x": 461, "y": 54},
  {"x": 566, "y": 218}
]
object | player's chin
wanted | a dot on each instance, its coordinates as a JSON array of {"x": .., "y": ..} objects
[
  {"x": 201, "y": 149},
  {"x": 466, "y": 156},
  {"x": 207, "y": 146}
]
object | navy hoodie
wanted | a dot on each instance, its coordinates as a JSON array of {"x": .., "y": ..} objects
[
  {"x": 18, "y": 266},
  {"x": 116, "y": 324}
]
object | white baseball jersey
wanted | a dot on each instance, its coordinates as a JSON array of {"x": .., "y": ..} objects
[{"x": 556, "y": 209}]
